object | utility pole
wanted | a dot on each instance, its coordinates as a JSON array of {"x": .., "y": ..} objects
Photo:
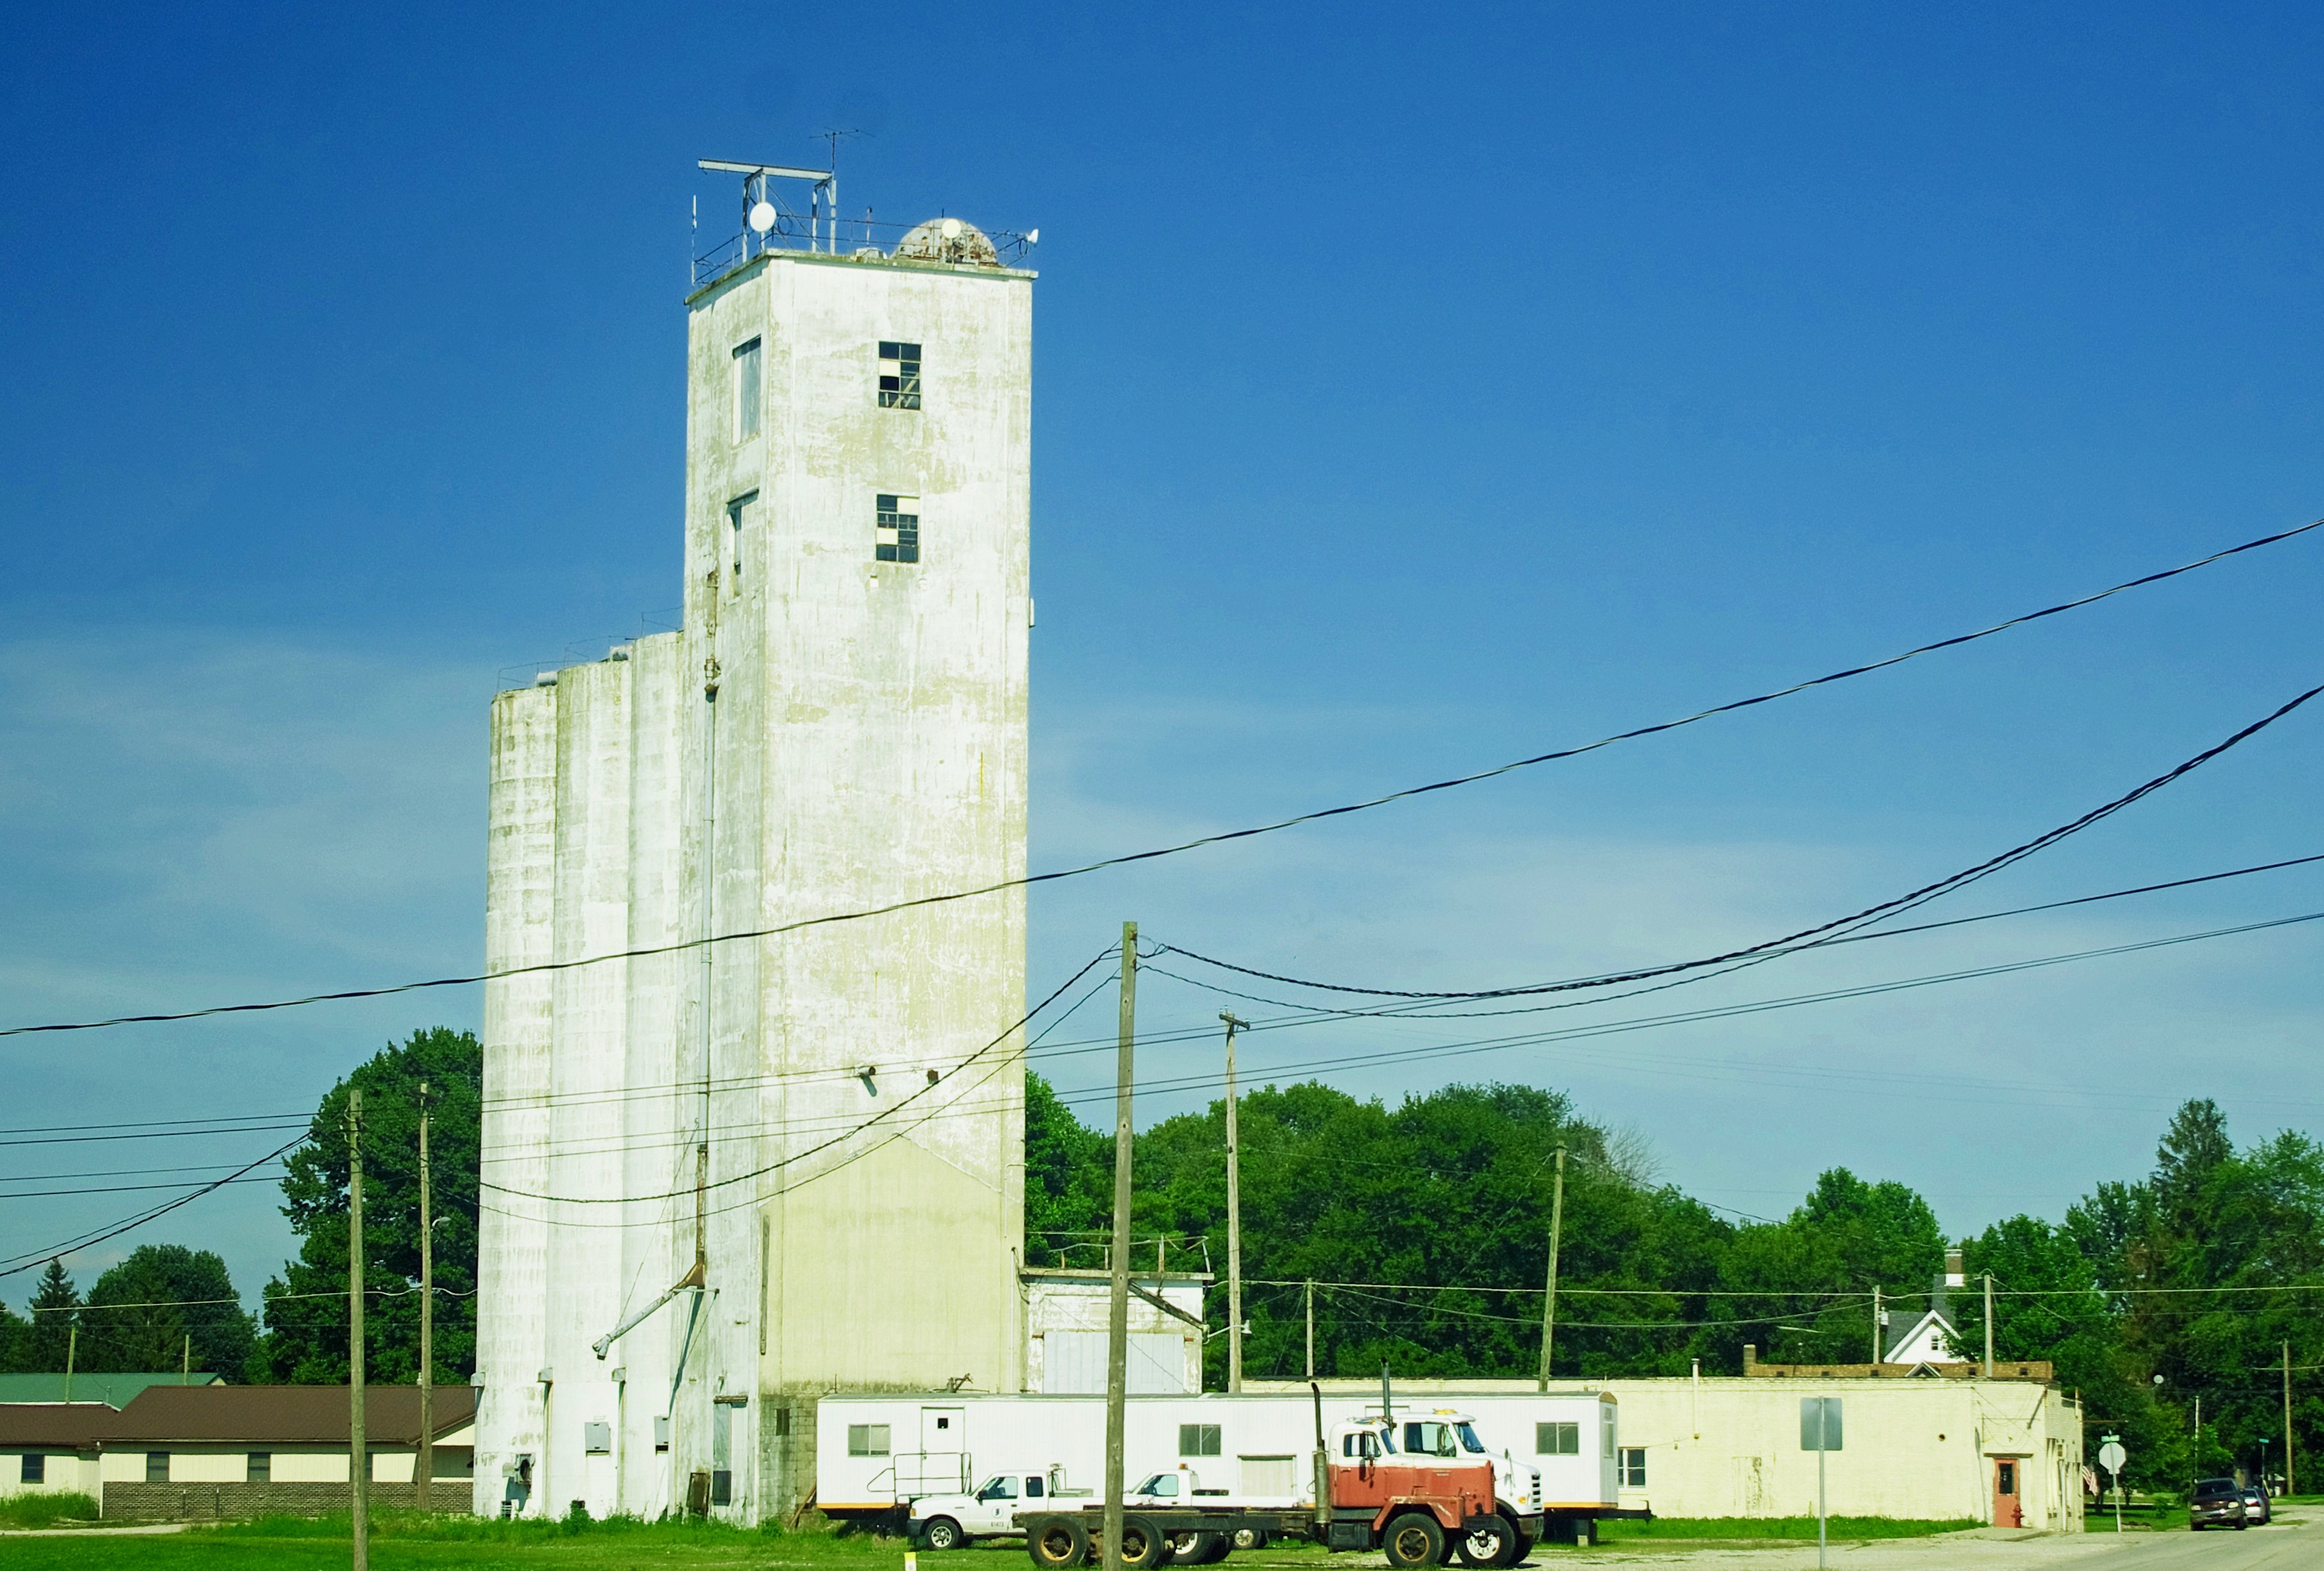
[
  {"x": 2287, "y": 1417},
  {"x": 1117, "y": 1330},
  {"x": 1877, "y": 1337},
  {"x": 1234, "y": 1221},
  {"x": 1312, "y": 1330},
  {"x": 1988, "y": 1325},
  {"x": 1549, "y": 1307},
  {"x": 72, "y": 1347},
  {"x": 358, "y": 1464},
  {"x": 186, "y": 1361},
  {"x": 423, "y": 1468}
]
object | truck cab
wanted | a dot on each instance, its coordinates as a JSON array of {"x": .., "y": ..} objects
[
  {"x": 1451, "y": 1435},
  {"x": 954, "y": 1521}
]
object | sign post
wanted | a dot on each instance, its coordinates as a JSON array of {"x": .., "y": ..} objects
[
  {"x": 2111, "y": 1456},
  {"x": 1820, "y": 1432}
]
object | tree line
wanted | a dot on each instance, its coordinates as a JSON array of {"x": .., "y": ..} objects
[
  {"x": 2151, "y": 1294},
  {"x": 1424, "y": 1228}
]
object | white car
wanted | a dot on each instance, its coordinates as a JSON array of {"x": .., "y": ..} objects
[{"x": 954, "y": 1521}]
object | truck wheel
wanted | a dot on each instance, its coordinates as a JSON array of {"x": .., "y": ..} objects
[
  {"x": 1247, "y": 1538},
  {"x": 942, "y": 1533},
  {"x": 1057, "y": 1544},
  {"x": 1414, "y": 1540},
  {"x": 1493, "y": 1544},
  {"x": 1141, "y": 1545},
  {"x": 1520, "y": 1548},
  {"x": 1197, "y": 1549}
]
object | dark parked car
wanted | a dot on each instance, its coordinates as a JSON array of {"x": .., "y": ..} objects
[
  {"x": 2256, "y": 1506},
  {"x": 2217, "y": 1503}
]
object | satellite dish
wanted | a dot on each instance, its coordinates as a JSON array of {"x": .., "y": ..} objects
[
  {"x": 1032, "y": 236},
  {"x": 950, "y": 228},
  {"x": 762, "y": 216}
]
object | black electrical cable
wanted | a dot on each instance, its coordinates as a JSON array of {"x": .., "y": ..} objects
[
  {"x": 1199, "y": 842},
  {"x": 1806, "y": 937},
  {"x": 24, "y": 1263}
]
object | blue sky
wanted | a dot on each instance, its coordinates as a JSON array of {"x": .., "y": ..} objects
[{"x": 1413, "y": 392}]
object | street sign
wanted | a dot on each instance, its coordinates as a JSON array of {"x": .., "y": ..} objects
[
  {"x": 1820, "y": 1424},
  {"x": 2111, "y": 1456}
]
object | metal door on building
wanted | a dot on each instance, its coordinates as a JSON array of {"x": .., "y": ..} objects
[{"x": 2006, "y": 1510}]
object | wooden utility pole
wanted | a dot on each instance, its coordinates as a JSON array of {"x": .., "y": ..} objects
[
  {"x": 1234, "y": 1221},
  {"x": 1549, "y": 1305},
  {"x": 2287, "y": 1417},
  {"x": 72, "y": 1348},
  {"x": 358, "y": 1464},
  {"x": 186, "y": 1361},
  {"x": 1311, "y": 1328},
  {"x": 1877, "y": 1337},
  {"x": 1117, "y": 1329},
  {"x": 423, "y": 1466},
  {"x": 1988, "y": 1325}
]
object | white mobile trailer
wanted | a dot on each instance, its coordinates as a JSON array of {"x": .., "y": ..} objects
[{"x": 874, "y": 1454}]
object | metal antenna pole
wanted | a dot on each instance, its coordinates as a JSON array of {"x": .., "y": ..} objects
[
  {"x": 1234, "y": 1221},
  {"x": 1988, "y": 1325},
  {"x": 1549, "y": 1307},
  {"x": 423, "y": 1466},
  {"x": 358, "y": 1464},
  {"x": 1117, "y": 1338}
]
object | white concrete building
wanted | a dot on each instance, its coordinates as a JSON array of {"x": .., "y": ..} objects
[{"x": 839, "y": 726}]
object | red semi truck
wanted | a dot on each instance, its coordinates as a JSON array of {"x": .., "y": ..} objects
[{"x": 1419, "y": 1509}]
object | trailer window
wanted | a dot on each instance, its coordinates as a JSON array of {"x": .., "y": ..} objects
[
  {"x": 867, "y": 1439},
  {"x": 1557, "y": 1440},
  {"x": 1198, "y": 1439}
]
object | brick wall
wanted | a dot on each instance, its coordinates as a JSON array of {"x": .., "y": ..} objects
[{"x": 151, "y": 1502}]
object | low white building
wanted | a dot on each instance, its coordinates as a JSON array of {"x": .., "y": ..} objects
[{"x": 1929, "y": 1447}]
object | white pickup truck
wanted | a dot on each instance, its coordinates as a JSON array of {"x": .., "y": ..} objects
[{"x": 951, "y": 1521}]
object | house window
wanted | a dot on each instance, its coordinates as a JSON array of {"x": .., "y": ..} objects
[
  {"x": 1634, "y": 1467},
  {"x": 157, "y": 1468},
  {"x": 35, "y": 1469},
  {"x": 867, "y": 1439},
  {"x": 896, "y": 536},
  {"x": 900, "y": 374},
  {"x": 1198, "y": 1439},
  {"x": 1557, "y": 1440},
  {"x": 747, "y": 381},
  {"x": 259, "y": 1467}
]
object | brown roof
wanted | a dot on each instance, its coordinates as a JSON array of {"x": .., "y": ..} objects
[
  {"x": 53, "y": 1426},
  {"x": 284, "y": 1415}
]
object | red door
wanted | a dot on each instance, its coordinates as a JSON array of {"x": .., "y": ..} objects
[{"x": 2005, "y": 1512}]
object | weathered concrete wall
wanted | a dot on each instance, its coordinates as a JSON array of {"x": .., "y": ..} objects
[{"x": 830, "y": 733}]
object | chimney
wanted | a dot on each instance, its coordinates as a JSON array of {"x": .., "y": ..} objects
[
  {"x": 1750, "y": 1358},
  {"x": 1953, "y": 1276}
]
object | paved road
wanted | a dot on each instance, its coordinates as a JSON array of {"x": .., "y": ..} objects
[{"x": 2295, "y": 1541}]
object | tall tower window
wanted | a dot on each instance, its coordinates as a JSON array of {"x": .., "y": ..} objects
[
  {"x": 747, "y": 383},
  {"x": 900, "y": 374},
  {"x": 897, "y": 536},
  {"x": 734, "y": 513}
]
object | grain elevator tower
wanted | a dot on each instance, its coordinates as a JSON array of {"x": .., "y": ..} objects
[{"x": 722, "y": 1179}]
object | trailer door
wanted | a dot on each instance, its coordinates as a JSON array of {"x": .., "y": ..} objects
[{"x": 941, "y": 1466}]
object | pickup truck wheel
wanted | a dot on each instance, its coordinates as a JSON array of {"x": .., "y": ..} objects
[
  {"x": 1414, "y": 1540},
  {"x": 1057, "y": 1544},
  {"x": 942, "y": 1533},
  {"x": 1494, "y": 1544},
  {"x": 1141, "y": 1545},
  {"x": 1247, "y": 1538}
]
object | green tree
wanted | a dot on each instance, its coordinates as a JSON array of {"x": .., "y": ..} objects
[
  {"x": 170, "y": 1300},
  {"x": 56, "y": 1305},
  {"x": 16, "y": 1340},
  {"x": 306, "y": 1310},
  {"x": 1068, "y": 1180},
  {"x": 1811, "y": 1275}
]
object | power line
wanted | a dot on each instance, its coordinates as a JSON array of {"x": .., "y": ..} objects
[
  {"x": 24, "y": 1263},
  {"x": 1807, "y": 938},
  {"x": 1199, "y": 842},
  {"x": 252, "y": 1127},
  {"x": 150, "y": 1123}
]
